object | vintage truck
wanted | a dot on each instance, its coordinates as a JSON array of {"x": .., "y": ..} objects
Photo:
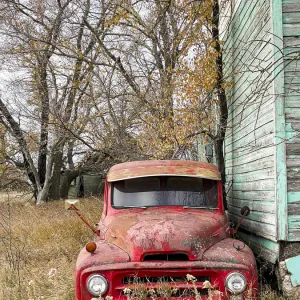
[{"x": 163, "y": 234}]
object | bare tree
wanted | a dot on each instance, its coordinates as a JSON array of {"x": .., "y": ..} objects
[
  {"x": 145, "y": 47},
  {"x": 102, "y": 81},
  {"x": 50, "y": 45}
]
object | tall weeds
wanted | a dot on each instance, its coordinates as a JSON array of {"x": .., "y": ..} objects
[{"x": 39, "y": 246}]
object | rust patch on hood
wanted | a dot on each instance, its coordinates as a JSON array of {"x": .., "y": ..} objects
[
  {"x": 227, "y": 252},
  {"x": 154, "y": 232}
]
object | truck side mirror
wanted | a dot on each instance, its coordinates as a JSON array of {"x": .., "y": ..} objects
[
  {"x": 245, "y": 211},
  {"x": 69, "y": 203}
]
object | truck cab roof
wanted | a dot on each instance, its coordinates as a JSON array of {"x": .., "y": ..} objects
[{"x": 138, "y": 169}]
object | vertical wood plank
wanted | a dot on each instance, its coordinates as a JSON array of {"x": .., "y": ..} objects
[{"x": 280, "y": 153}]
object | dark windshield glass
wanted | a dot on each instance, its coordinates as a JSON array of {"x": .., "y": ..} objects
[{"x": 165, "y": 191}]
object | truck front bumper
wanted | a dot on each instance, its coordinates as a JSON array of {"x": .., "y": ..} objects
[{"x": 168, "y": 277}]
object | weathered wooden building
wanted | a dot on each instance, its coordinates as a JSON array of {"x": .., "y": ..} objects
[{"x": 262, "y": 148}]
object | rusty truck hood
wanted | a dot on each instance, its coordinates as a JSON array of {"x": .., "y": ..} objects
[{"x": 162, "y": 231}]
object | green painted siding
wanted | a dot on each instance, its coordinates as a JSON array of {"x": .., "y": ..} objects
[
  {"x": 291, "y": 40},
  {"x": 249, "y": 147},
  {"x": 264, "y": 248},
  {"x": 262, "y": 147},
  {"x": 280, "y": 153}
]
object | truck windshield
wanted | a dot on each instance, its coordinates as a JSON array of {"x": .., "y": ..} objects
[{"x": 165, "y": 191}]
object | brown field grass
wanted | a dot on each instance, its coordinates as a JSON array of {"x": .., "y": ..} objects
[{"x": 39, "y": 246}]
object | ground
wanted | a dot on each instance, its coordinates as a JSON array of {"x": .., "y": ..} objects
[{"x": 39, "y": 246}]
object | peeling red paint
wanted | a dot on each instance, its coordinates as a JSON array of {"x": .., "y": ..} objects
[
  {"x": 156, "y": 168},
  {"x": 128, "y": 235},
  {"x": 156, "y": 230}
]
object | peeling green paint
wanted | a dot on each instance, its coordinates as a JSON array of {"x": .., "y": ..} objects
[
  {"x": 292, "y": 265},
  {"x": 261, "y": 246},
  {"x": 294, "y": 223},
  {"x": 291, "y": 40},
  {"x": 290, "y": 129},
  {"x": 293, "y": 197},
  {"x": 280, "y": 153}
]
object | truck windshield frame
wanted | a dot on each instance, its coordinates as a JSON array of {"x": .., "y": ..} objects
[{"x": 157, "y": 191}]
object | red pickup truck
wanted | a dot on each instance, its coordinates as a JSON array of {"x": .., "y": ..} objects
[{"x": 164, "y": 234}]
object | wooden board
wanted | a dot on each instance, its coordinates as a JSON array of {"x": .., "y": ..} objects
[
  {"x": 259, "y": 185},
  {"x": 248, "y": 120},
  {"x": 261, "y": 246},
  {"x": 252, "y": 133},
  {"x": 259, "y": 216},
  {"x": 250, "y": 196},
  {"x": 247, "y": 158},
  {"x": 291, "y": 32},
  {"x": 290, "y": 6},
  {"x": 264, "y": 163},
  {"x": 258, "y": 206},
  {"x": 254, "y": 226},
  {"x": 291, "y": 29},
  {"x": 291, "y": 17},
  {"x": 253, "y": 175},
  {"x": 264, "y": 142},
  {"x": 293, "y": 197}
]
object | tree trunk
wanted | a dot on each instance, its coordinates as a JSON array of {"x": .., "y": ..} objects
[
  {"x": 43, "y": 92},
  {"x": 219, "y": 154},
  {"x": 65, "y": 183},
  {"x": 54, "y": 193},
  {"x": 222, "y": 105},
  {"x": 11, "y": 125},
  {"x": 44, "y": 193}
]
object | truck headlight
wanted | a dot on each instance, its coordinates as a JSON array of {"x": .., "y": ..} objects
[
  {"x": 236, "y": 283},
  {"x": 97, "y": 285}
]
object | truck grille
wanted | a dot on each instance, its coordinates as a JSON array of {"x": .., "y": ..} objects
[
  {"x": 176, "y": 286},
  {"x": 175, "y": 279},
  {"x": 164, "y": 284},
  {"x": 174, "y": 293}
]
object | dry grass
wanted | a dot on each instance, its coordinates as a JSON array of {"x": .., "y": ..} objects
[
  {"x": 16, "y": 197},
  {"x": 268, "y": 294},
  {"x": 39, "y": 246}
]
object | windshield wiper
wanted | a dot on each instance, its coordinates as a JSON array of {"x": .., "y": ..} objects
[
  {"x": 200, "y": 207},
  {"x": 129, "y": 206}
]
